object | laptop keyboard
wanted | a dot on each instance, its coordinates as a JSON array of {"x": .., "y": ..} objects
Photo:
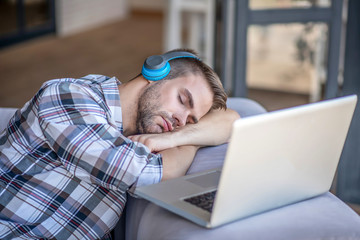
[{"x": 204, "y": 201}]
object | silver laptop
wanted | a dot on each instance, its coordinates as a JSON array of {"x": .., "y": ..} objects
[{"x": 272, "y": 160}]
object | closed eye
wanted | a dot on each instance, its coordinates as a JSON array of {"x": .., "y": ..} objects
[{"x": 180, "y": 99}]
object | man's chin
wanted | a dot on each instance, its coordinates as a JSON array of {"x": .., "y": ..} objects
[{"x": 153, "y": 129}]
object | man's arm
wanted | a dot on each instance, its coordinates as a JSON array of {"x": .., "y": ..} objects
[
  {"x": 177, "y": 160},
  {"x": 178, "y": 148},
  {"x": 212, "y": 129}
]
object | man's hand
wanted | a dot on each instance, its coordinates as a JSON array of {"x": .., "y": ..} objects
[{"x": 155, "y": 142}]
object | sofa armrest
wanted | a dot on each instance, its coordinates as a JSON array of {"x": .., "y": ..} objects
[{"x": 245, "y": 107}]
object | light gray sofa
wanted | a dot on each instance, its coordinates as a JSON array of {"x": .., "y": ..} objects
[{"x": 323, "y": 217}]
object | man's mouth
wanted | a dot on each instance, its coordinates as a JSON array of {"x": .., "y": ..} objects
[{"x": 167, "y": 126}]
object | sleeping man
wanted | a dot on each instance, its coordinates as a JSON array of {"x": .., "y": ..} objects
[{"x": 71, "y": 154}]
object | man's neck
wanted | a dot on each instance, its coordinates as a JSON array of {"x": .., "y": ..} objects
[{"x": 129, "y": 97}]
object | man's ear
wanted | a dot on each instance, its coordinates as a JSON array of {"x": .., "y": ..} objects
[
  {"x": 152, "y": 82},
  {"x": 147, "y": 80}
]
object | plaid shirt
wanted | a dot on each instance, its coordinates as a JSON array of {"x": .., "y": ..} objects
[{"x": 65, "y": 166}]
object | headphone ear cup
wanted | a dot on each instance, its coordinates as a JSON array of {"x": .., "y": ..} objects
[
  {"x": 155, "y": 74},
  {"x": 157, "y": 67}
]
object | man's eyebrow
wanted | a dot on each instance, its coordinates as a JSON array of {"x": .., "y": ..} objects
[{"x": 189, "y": 97}]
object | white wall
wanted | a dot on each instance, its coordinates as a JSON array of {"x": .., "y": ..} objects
[
  {"x": 147, "y": 5},
  {"x": 73, "y": 16}
]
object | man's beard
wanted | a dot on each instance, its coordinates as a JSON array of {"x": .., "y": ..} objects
[{"x": 148, "y": 108}]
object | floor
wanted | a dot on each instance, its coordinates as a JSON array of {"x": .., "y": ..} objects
[{"x": 116, "y": 49}]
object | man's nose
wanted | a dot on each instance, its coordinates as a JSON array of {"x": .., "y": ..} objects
[{"x": 181, "y": 119}]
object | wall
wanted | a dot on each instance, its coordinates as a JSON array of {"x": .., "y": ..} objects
[
  {"x": 147, "y": 5},
  {"x": 73, "y": 16}
]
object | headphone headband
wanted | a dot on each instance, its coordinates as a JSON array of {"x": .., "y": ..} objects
[{"x": 157, "y": 67}]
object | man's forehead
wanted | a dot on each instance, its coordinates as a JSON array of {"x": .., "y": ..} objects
[
  {"x": 196, "y": 86},
  {"x": 202, "y": 100}
]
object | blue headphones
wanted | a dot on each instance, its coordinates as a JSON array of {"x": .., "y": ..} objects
[{"x": 157, "y": 67}]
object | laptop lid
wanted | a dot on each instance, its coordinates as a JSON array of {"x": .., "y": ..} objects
[{"x": 281, "y": 157}]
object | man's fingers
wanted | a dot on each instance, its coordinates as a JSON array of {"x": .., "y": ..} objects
[
  {"x": 144, "y": 139},
  {"x": 155, "y": 142}
]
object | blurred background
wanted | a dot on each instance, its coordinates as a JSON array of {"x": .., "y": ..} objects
[
  {"x": 281, "y": 53},
  {"x": 44, "y": 39}
]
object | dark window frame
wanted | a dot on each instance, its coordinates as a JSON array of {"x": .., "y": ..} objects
[
  {"x": 22, "y": 33},
  {"x": 238, "y": 30}
]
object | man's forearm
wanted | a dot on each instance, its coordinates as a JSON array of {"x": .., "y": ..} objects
[
  {"x": 176, "y": 161},
  {"x": 213, "y": 129}
]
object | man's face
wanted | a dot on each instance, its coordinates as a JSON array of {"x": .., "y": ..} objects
[{"x": 166, "y": 105}]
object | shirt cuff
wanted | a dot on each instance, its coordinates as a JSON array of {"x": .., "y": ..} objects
[{"x": 151, "y": 174}]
